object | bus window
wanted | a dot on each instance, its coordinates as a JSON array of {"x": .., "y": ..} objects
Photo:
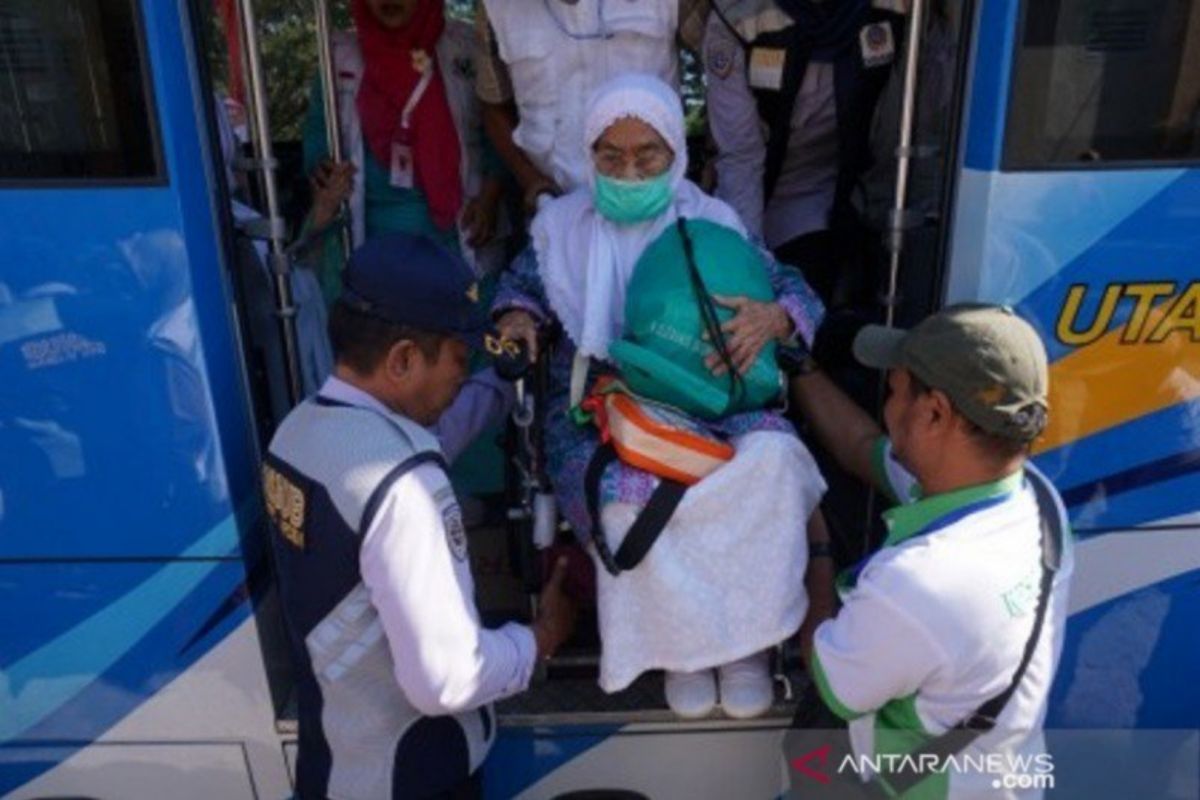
[
  {"x": 1115, "y": 81},
  {"x": 73, "y": 93}
]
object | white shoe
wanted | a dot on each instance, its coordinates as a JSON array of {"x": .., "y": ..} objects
[
  {"x": 691, "y": 695},
  {"x": 746, "y": 688}
]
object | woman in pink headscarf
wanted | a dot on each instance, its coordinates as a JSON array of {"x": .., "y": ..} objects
[{"x": 409, "y": 121}]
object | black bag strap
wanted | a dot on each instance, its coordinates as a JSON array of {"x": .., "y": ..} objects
[
  {"x": 983, "y": 719},
  {"x": 645, "y": 529},
  {"x": 708, "y": 314}
]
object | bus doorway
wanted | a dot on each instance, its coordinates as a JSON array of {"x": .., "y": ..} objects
[{"x": 627, "y": 735}]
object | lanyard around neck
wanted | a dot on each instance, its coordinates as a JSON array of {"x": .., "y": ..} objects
[{"x": 417, "y": 93}]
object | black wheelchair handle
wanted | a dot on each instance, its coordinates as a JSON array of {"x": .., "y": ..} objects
[{"x": 510, "y": 359}]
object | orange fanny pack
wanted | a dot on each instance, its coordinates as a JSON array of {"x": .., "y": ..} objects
[{"x": 652, "y": 436}]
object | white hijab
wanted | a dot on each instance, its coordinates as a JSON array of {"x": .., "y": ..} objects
[{"x": 584, "y": 259}]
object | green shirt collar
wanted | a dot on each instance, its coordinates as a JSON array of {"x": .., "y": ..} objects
[{"x": 906, "y": 520}]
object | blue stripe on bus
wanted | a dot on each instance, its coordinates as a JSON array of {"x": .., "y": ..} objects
[
  {"x": 989, "y": 89},
  {"x": 141, "y": 670},
  {"x": 92, "y": 646},
  {"x": 1136, "y": 478},
  {"x": 64, "y": 595},
  {"x": 1160, "y": 435},
  {"x": 1159, "y": 502}
]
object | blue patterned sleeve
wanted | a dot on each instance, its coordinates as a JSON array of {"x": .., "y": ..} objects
[
  {"x": 798, "y": 299},
  {"x": 521, "y": 287}
]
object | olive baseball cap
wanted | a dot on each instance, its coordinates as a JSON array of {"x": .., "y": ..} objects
[{"x": 988, "y": 361}]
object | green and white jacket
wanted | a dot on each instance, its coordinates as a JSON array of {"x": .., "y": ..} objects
[{"x": 935, "y": 624}]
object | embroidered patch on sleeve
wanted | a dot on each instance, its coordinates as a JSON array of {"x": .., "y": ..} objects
[
  {"x": 877, "y": 44},
  {"x": 719, "y": 59},
  {"x": 286, "y": 505},
  {"x": 456, "y": 531}
]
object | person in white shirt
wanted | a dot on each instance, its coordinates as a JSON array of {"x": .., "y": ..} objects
[
  {"x": 949, "y": 636},
  {"x": 539, "y": 61},
  {"x": 395, "y": 672}
]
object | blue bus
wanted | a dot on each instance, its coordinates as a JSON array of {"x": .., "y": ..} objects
[{"x": 1052, "y": 162}]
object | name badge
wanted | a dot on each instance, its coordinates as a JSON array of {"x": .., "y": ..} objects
[
  {"x": 402, "y": 175},
  {"x": 877, "y": 44},
  {"x": 766, "y": 67}
]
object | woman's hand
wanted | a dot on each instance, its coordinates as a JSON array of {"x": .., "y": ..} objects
[
  {"x": 331, "y": 183},
  {"x": 519, "y": 325},
  {"x": 753, "y": 325}
]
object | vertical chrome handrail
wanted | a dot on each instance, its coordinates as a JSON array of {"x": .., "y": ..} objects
[
  {"x": 276, "y": 229},
  {"x": 333, "y": 129},
  {"x": 249, "y": 104},
  {"x": 904, "y": 153},
  {"x": 894, "y": 238}
]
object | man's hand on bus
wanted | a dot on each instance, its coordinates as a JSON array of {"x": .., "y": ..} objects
[
  {"x": 555, "y": 618},
  {"x": 519, "y": 326},
  {"x": 332, "y": 183}
]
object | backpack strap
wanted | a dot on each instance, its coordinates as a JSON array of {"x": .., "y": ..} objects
[
  {"x": 708, "y": 314},
  {"x": 580, "y": 365},
  {"x": 645, "y": 529}
]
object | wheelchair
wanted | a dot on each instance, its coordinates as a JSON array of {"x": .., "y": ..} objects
[{"x": 565, "y": 688}]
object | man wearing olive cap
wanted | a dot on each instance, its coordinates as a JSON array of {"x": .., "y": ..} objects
[{"x": 948, "y": 637}]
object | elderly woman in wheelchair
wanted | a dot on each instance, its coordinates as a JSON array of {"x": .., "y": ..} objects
[{"x": 665, "y": 445}]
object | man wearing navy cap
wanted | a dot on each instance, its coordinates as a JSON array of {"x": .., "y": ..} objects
[{"x": 395, "y": 673}]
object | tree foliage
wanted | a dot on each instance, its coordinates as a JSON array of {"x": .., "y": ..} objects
[{"x": 287, "y": 39}]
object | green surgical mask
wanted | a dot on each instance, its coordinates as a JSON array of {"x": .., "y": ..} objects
[{"x": 627, "y": 202}]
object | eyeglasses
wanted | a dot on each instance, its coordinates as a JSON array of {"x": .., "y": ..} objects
[{"x": 648, "y": 161}]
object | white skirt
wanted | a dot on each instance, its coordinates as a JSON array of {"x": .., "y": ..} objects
[{"x": 725, "y": 578}]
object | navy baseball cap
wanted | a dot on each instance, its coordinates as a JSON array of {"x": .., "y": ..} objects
[{"x": 411, "y": 280}]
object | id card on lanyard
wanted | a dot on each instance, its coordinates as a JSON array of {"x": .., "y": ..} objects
[{"x": 403, "y": 173}]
